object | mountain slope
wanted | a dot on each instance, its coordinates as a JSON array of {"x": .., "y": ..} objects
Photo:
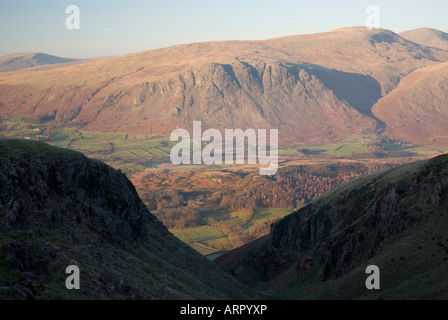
[
  {"x": 59, "y": 208},
  {"x": 427, "y": 37},
  {"x": 378, "y": 53},
  {"x": 21, "y": 61},
  {"x": 397, "y": 220},
  {"x": 417, "y": 109},
  {"x": 314, "y": 88}
]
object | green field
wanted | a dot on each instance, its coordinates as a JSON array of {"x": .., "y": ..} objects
[
  {"x": 103, "y": 146},
  {"x": 339, "y": 149},
  {"x": 209, "y": 240},
  {"x": 266, "y": 214},
  {"x": 205, "y": 236},
  {"x": 114, "y": 146},
  {"x": 140, "y": 147}
]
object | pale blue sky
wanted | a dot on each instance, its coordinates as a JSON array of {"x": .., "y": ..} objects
[{"x": 115, "y": 27}]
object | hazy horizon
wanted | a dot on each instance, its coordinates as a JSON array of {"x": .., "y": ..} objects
[
  {"x": 187, "y": 43},
  {"x": 117, "y": 27}
]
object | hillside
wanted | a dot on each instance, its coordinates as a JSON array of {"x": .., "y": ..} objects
[
  {"x": 427, "y": 37},
  {"x": 59, "y": 208},
  {"x": 314, "y": 88},
  {"x": 417, "y": 108},
  {"x": 21, "y": 61},
  {"x": 396, "y": 219}
]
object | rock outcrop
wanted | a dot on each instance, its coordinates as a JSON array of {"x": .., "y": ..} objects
[
  {"x": 387, "y": 219},
  {"x": 59, "y": 208}
]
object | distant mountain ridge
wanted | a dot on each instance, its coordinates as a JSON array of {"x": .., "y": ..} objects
[
  {"x": 427, "y": 37},
  {"x": 314, "y": 88},
  {"x": 21, "y": 61}
]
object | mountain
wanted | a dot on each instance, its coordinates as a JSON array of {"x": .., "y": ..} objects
[
  {"x": 427, "y": 37},
  {"x": 396, "y": 220},
  {"x": 313, "y": 88},
  {"x": 417, "y": 109},
  {"x": 59, "y": 208},
  {"x": 21, "y": 61}
]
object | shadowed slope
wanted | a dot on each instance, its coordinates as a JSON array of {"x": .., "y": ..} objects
[
  {"x": 396, "y": 220},
  {"x": 59, "y": 208}
]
